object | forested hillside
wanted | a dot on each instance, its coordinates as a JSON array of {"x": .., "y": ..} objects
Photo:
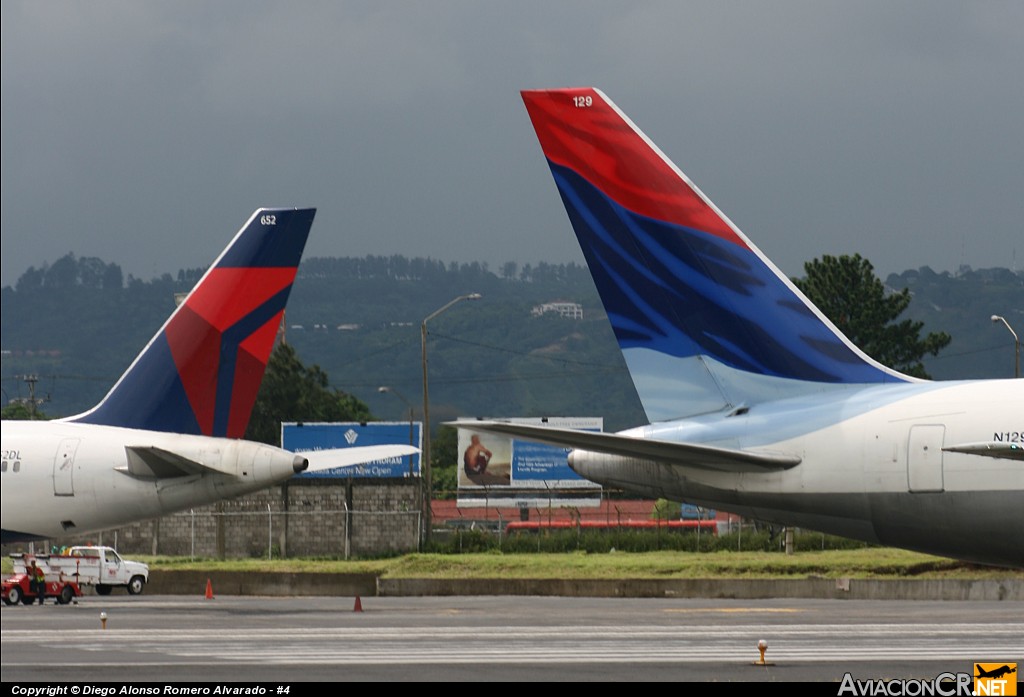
[
  {"x": 78, "y": 323},
  {"x": 962, "y": 306}
]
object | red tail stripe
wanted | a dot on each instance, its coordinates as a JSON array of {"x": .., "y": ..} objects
[
  {"x": 579, "y": 130},
  {"x": 247, "y": 288}
]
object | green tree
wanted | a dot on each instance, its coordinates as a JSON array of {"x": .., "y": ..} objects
[
  {"x": 444, "y": 457},
  {"x": 292, "y": 392},
  {"x": 19, "y": 411},
  {"x": 846, "y": 289},
  {"x": 666, "y": 510}
]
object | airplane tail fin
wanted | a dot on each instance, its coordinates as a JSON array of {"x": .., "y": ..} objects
[
  {"x": 201, "y": 372},
  {"x": 704, "y": 320}
]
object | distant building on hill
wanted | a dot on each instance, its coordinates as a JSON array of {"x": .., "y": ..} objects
[{"x": 565, "y": 309}]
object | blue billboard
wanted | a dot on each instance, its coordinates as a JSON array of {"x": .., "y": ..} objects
[{"x": 300, "y": 437}]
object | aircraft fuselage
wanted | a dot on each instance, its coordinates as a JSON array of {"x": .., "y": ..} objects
[
  {"x": 872, "y": 466},
  {"x": 63, "y": 478}
]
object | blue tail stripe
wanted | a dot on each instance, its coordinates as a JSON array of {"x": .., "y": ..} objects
[{"x": 684, "y": 292}]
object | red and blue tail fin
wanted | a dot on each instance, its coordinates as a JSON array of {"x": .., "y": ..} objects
[
  {"x": 705, "y": 321},
  {"x": 201, "y": 372}
]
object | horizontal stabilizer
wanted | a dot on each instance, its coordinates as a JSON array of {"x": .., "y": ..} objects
[
  {"x": 683, "y": 454},
  {"x": 1009, "y": 451},
  {"x": 320, "y": 460},
  {"x": 156, "y": 463}
]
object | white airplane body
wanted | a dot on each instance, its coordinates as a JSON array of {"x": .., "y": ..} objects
[
  {"x": 167, "y": 436},
  {"x": 758, "y": 404}
]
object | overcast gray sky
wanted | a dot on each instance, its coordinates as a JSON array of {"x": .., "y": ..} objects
[{"x": 145, "y": 133}]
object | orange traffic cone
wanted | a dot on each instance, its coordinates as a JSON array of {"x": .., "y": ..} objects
[
  {"x": 359, "y": 605},
  {"x": 209, "y": 590}
]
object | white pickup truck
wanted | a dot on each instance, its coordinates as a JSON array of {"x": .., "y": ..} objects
[{"x": 101, "y": 567}]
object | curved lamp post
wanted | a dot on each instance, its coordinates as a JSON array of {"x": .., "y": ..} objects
[
  {"x": 1016, "y": 344},
  {"x": 425, "y": 456}
]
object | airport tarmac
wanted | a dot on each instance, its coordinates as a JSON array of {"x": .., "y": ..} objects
[{"x": 276, "y": 641}]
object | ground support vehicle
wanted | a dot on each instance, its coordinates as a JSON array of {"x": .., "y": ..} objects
[
  {"x": 18, "y": 589},
  {"x": 86, "y": 565}
]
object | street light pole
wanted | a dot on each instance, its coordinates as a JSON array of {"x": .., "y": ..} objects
[
  {"x": 392, "y": 390},
  {"x": 425, "y": 456},
  {"x": 1016, "y": 344}
]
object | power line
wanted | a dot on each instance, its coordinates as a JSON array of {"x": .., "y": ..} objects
[{"x": 527, "y": 354}]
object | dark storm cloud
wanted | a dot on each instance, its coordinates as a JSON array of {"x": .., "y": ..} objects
[{"x": 145, "y": 133}]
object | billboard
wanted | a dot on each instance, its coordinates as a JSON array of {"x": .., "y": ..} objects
[
  {"x": 300, "y": 437},
  {"x": 522, "y": 473}
]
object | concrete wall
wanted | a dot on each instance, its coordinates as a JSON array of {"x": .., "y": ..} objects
[
  {"x": 309, "y": 517},
  {"x": 338, "y": 585}
]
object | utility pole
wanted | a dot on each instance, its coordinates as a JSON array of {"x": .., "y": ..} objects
[
  {"x": 425, "y": 454},
  {"x": 31, "y": 402}
]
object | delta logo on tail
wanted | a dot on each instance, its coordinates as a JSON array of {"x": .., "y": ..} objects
[
  {"x": 202, "y": 371},
  {"x": 676, "y": 276}
]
